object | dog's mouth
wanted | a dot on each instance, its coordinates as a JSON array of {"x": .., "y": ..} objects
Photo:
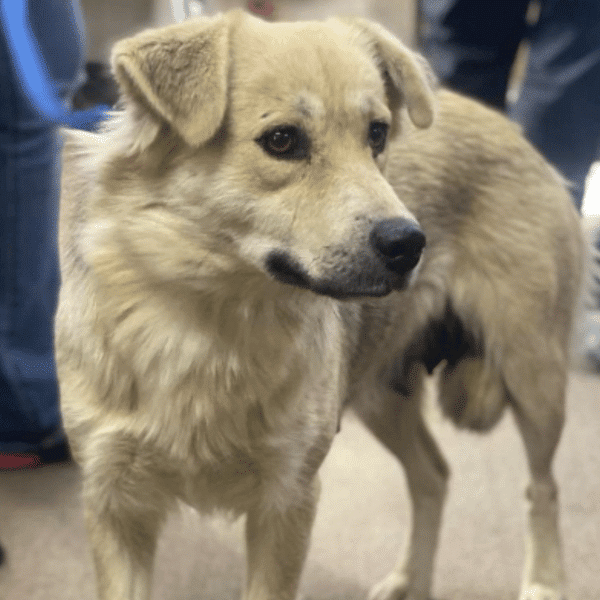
[
  {"x": 287, "y": 270},
  {"x": 373, "y": 290},
  {"x": 342, "y": 284}
]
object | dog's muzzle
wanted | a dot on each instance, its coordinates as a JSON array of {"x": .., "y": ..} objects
[
  {"x": 395, "y": 247},
  {"x": 399, "y": 242}
]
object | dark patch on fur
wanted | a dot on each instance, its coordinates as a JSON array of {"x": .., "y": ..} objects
[{"x": 445, "y": 338}]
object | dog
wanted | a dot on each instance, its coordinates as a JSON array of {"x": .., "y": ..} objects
[{"x": 286, "y": 219}]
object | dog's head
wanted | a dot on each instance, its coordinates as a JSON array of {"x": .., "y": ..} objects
[{"x": 262, "y": 146}]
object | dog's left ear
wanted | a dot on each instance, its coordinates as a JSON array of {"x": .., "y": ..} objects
[
  {"x": 408, "y": 72},
  {"x": 180, "y": 73}
]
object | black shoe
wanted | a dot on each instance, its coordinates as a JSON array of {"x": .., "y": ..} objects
[{"x": 58, "y": 453}]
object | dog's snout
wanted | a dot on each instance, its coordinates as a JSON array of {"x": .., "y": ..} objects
[{"x": 400, "y": 243}]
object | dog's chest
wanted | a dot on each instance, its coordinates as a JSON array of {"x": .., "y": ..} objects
[
  {"x": 257, "y": 417},
  {"x": 269, "y": 472}
]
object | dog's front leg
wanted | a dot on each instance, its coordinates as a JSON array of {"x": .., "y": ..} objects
[
  {"x": 123, "y": 551},
  {"x": 126, "y": 497},
  {"x": 277, "y": 541}
]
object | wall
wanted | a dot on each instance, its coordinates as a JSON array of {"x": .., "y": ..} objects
[{"x": 109, "y": 20}]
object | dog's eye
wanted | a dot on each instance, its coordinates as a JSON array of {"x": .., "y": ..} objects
[
  {"x": 285, "y": 142},
  {"x": 378, "y": 136}
]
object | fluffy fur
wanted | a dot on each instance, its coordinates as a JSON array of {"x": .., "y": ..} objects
[{"x": 221, "y": 304}]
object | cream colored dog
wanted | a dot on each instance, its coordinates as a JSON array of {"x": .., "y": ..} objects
[{"x": 243, "y": 252}]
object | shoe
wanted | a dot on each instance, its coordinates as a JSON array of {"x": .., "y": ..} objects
[
  {"x": 57, "y": 453},
  {"x": 12, "y": 461}
]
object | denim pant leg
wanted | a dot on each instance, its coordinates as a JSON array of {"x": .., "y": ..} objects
[
  {"x": 559, "y": 105},
  {"x": 471, "y": 44},
  {"x": 29, "y": 190}
]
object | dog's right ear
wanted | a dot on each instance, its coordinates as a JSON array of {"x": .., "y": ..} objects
[{"x": 180, "y": 73}]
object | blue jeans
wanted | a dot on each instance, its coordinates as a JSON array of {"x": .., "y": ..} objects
[
  {"x": 471, "y": 44},
  {"x": 29, "y": 192}
]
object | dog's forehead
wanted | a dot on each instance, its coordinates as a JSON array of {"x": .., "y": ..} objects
[{"x": 307, "y": 66}]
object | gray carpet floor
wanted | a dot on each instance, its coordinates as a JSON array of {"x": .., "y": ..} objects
[{"x": 360, "y": 527}]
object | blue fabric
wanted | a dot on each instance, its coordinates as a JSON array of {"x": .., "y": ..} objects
[
  {"x": 29, "y": 190},
  {"x": 45, "y": 82},
  {"x": 472, "y": 43}
]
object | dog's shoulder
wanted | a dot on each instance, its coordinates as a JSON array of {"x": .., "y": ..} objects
[{"x": 78, "y": 179}]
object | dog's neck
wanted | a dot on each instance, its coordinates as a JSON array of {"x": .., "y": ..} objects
[{"x": 221, "y": 355}]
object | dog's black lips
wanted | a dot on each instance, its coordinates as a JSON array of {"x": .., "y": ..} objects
[
  {"x": 373, "y": 290},
  {"x": 287, "y": 270}
]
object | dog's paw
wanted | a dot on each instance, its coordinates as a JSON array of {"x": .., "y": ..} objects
[
  {"x": 540, "y": 592},
  {"x": 394, "y": 587}
]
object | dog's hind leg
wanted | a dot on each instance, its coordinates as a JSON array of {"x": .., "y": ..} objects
[
  {"x": 537, "y": 391},
  {"x": 277, "y": 539},
  {"x": 398, "y": 423}
]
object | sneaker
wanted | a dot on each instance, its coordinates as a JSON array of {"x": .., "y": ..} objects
[{"x": 57, "y": 453}]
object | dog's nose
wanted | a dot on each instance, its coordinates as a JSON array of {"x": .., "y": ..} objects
[{"x": 400, "y": 243}]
